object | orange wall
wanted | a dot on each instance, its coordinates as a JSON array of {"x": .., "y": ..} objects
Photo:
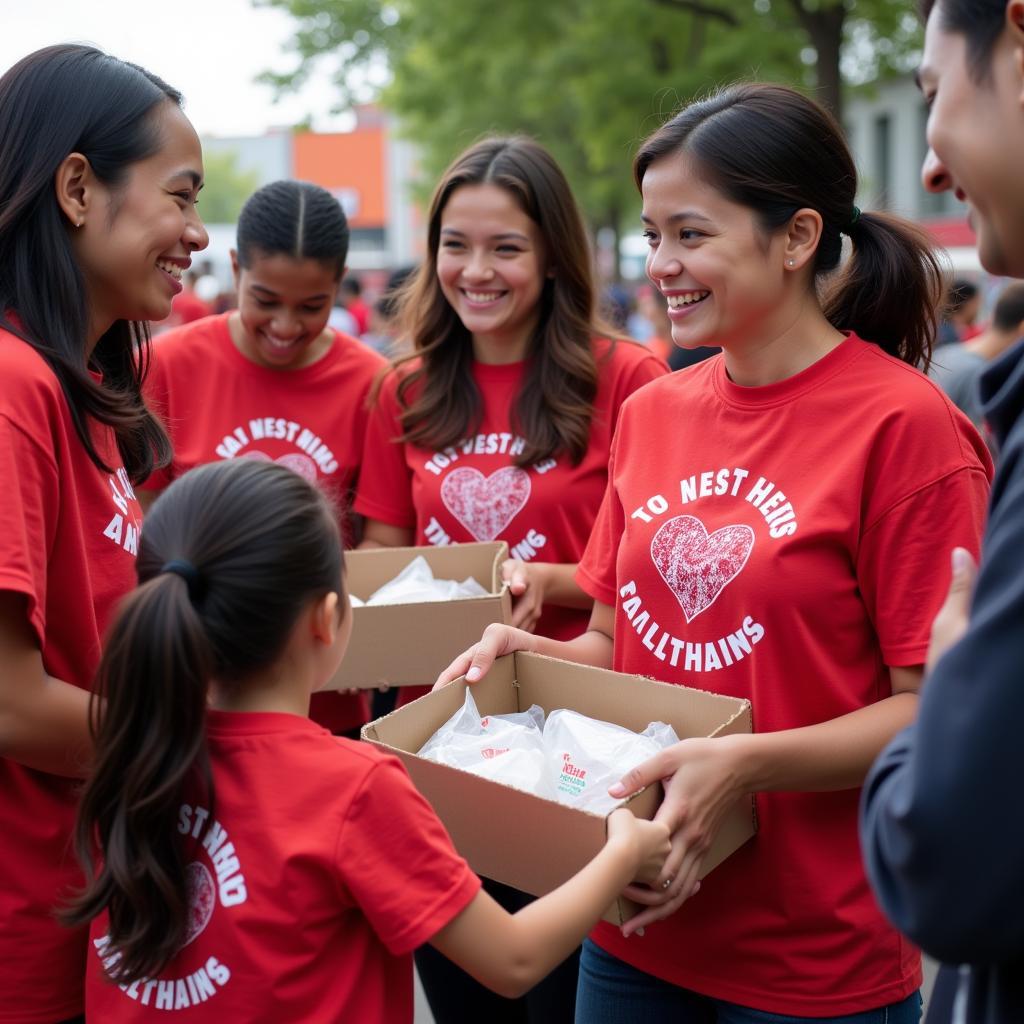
[{"x": 349, "y": 160}]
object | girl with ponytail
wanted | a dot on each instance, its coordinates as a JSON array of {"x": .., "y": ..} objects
[
  {"x": 251, "y": 866},
  {"x": 785, "y": 539}
]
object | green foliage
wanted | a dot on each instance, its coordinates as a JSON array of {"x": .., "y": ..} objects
[
  {"x": 226, "y": 187},
  {"x": 589, "y": 80}
]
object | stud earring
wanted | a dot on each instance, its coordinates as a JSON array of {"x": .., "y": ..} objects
[{"x": 790, "y": 263}]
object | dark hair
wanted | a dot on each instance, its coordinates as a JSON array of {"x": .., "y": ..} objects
[
  {"x": 296, "y": 219},
  {"x": 387, "y": 304},
  {"x": 960, "y": 292},
  {"x": 555, "y": 404},
  {"x": 352, "y": 286},
  {"x": 1008, "y": 312},
  {"x": 259, "y": 542},
  {"x": 980, "y": 22},
  {"x": 774, "y": 151},
  {"x": 57, "y": 101}
]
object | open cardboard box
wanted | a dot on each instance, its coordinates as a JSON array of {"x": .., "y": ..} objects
[
  {"x": 411, "y": 644},
  {"x": 527, "y": 841}
]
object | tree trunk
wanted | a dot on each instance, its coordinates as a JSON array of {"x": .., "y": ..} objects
[{"x": 824, "y": 28}]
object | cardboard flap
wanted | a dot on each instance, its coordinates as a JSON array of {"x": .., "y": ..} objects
[
  {"x": 367, "y": 570},
  {"x": 598, "y": 693}
]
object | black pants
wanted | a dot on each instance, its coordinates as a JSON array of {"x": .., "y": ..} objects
[{"x": 455, "y": 997}]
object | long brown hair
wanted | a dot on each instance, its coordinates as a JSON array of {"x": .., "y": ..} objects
[
  {"x": 57, "y": 101},
  {"x": 253, "y": 543},
  {"x": 556, "y": 402},
  {"x": 775, "y": 151}
]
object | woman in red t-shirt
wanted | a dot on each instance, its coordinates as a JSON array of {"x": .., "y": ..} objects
[
  {"x": 776, "y": 528},
  {"x": 271, "y": 380},
  {"x": 253, "y": 867},
  {"x": 498, "y": 425},
  {"x": 99, "y": 170}
]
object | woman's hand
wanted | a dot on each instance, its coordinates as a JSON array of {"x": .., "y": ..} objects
[
  {"x": 527, "y": 582},
  {"x": 650, "y": 840},
  {"x": 951, "y": 621},
  {"x": 702, "y": 778},
  {"x": 497, "y": 641}
]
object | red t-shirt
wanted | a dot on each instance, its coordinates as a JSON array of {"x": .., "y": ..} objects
[
  {"x": 785, "y": 543},
  {"x": 319, "y": 874},
  {"x": 69, "y": 535},
  {"x": 217, "y": 404},
  {"x": 473, "y": 492}
]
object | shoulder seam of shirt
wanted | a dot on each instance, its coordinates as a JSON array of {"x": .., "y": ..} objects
[
  {"x": 48, "y": 455},
  {"x": 917, "y": 490},
  {"x": 344, "y": 816}
]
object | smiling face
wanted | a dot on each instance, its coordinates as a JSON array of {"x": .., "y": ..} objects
[
  {"x": 491, "y": 267},
  {"x": 283, "y": 307},
  {"x": 721, "y": 275},
  {"x": 138, "y": 237},
  {"x": 976, "y": 136}
]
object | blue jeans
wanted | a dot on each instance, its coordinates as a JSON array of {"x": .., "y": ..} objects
[{"x": 613, "y": 992}]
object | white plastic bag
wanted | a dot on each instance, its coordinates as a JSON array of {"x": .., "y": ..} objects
[
  {"x": 504, "y": 748},
  {"x": 416, "y": 583},
  {"x": 584, "y": 756}
]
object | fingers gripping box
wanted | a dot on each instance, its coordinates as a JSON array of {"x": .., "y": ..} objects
[
  {"x": 527, "y": 841},
  {"x": 411, "y": 644}
]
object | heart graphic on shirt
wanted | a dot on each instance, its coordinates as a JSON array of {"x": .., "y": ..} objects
[
  {"x": 485, "y": 505},
  {"x": 303, "y": 465},
  {"x": 200, "y": 896},
  {"x": 697, "y": 565}
]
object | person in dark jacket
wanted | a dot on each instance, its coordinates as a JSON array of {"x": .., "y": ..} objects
[{"x": 941, "y": 832}]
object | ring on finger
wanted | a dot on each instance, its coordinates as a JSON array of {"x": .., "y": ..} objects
[{"x": 667, "y": 882}]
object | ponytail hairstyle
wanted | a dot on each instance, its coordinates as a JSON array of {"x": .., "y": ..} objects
[
  {"x": 774, "y": 151},
  {"x": 57, "y": 101},
  {"x": 231, "y": 555},
  {"x": 556, "y": 402},
  {"x": 296, "y": 219}
]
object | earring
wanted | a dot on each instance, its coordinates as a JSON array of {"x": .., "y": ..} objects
[{"x": 790, "y": 263}]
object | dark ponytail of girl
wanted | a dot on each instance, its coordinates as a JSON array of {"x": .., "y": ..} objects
[
  {"x": 774, "y": 151},
  {"x": 231, "y": 554},
  {"x": 61, "y": 100}
]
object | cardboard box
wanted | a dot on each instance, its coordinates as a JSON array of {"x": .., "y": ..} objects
[
  {"x": 411, "y": 644},
  {"x": 527, "y": 841}
]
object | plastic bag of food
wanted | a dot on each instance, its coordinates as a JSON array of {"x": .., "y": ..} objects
[
  {"x": 584, "y": 756},
  {"x": 504, "y": 748},
  {"x": 416, "y": 583}
]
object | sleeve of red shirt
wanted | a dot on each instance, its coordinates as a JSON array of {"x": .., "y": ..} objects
[
  {"x": 31, "y": 502},
  {"x": 903, "y": 559},
  {"x": 385, "y": 483},
  {"x": 596, "y": 571},
  {"x": 649, "y": 368},
  {"x": 397, "y": 862}
]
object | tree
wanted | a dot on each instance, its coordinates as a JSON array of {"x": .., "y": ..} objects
[
  {"x": 588, "y": 80},
  {"x": 225, "y": 187}
]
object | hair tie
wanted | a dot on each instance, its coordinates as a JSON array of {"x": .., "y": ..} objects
[
  {"x": 189, "y": 573},
  {"x": 854, "y": 217}
]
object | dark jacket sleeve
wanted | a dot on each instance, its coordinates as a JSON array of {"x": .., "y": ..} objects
[{"x": 942, "y": 826}]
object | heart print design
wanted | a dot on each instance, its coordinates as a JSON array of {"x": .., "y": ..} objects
[
  {"x": 485, "y": 505},
  {"x": 303, "y": 465},
  {"x": 201, "y": 897},
  {"x": 698, "y": 566}
]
